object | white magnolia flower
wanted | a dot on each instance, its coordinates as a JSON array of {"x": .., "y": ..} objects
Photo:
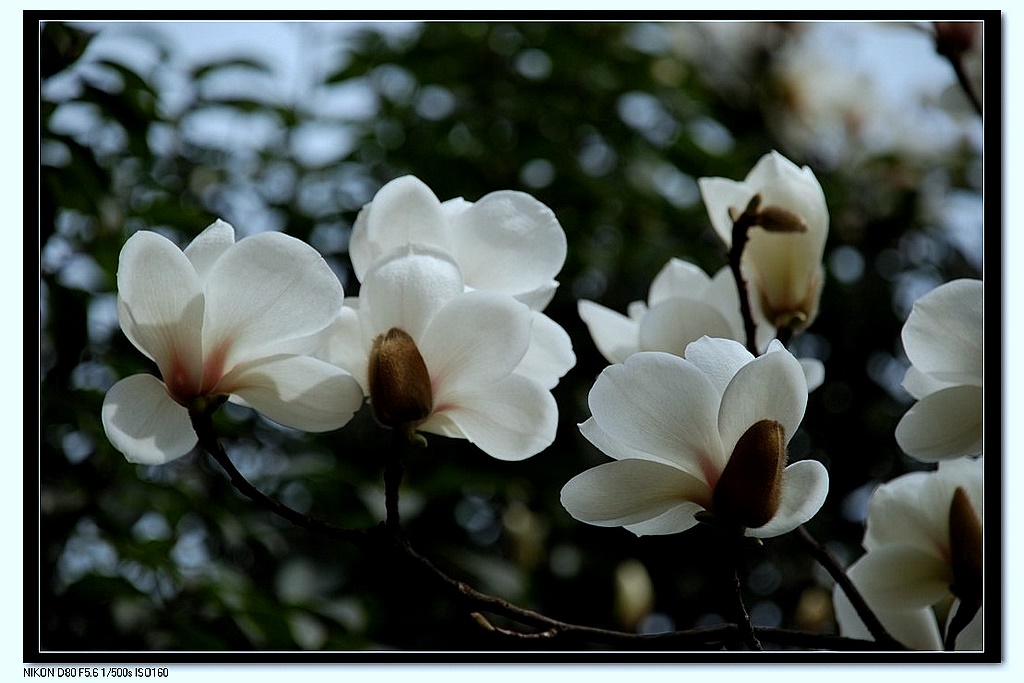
[
  {"x": 219, "y": 320},
  {"x": 707, "y": 432},
  {"x": 435, "y": 358},
  {"x": 683, "y": 305},
  {"x": 924, "y": 558},
  {"x": 782, "y": 259},
  {"x": 507, "y": 242},
  {"x": 944, "y": 337}
]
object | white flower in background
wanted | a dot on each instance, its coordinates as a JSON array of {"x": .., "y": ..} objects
[
  {"x": 223, "y": 320},
  {"x": 683, "y": 305},
  {"x": 782, "y": 259},
  {"x": 944, "y": 337},
  {"x": 507, "y": 242},
  {"x": 924, "y": 558},
  {"x": 707, "y": 432},
  {"x": 435, "y": 358}
]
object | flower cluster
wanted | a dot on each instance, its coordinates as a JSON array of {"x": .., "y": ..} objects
[
  {"x": 447, "y": 335},
  {"x": 697, "y": 426},
  {"x": 922, "y": 569}
]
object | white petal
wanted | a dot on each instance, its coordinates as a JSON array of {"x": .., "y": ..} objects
[
  {"x": 264, "y": 290},
  {"x": 478, "y": 338},
  {"x": 160, "y": 303},
  {"x": 298, "y": 392},
  {"x": 814, "y": 372},
  {"x": 942, "y": 425},
  {"x": 508, "y": 242},
  {"x": 511, "y": 419},
  {"x": 663, "y": 405},
  {"x": 916, "y": 629},
  {"x": 903, "y": 577},
  {"x": 540, "y": 297},
  {"x": 719, "y": 359},
  {"x": 592, "y": 431},
  {"x": 616, "y": 336},
  {"x": 209, "y": 245},
  {"x": 780, "y": 182},
  {"x": 404, "y": 210},
  {"x": 804, "y": 489},
  {"x": 630, "y": 492},
  {"x": 550, "y": 353},
  {"x": 770, "y": 387},
  {"x": 407, "y": 288},
  {"x": 345, "y": 346},
  {"x": 678, "y": 278},
  {"x": 972, "y": 637},
  {"x": 674, "y": 323},
  {"x": 673, "y": 521},
  {"x": 142, "y": 421},
  {"x": 720, "y": 195},
  {"x": 944, "y": 332},
  {"x": 721, "y": 293}
]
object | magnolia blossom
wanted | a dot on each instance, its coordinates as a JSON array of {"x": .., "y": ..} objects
[
  {"x": 506, "y": 242},
  {"x": 923, "y": 563},
  {"x": 683, "y": 305},
  {"x": 943, "y": 338},
  {"x": 223, "y": 320},
  {"x": 781, "y": 262},
  {"x": 435, "y": 358},
  {"x": 707, "y": 432}
]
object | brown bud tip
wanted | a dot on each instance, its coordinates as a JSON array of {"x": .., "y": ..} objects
[
  {"x": 965, "y": 548},
  {"x": 777, "y": 219},
  {"x": 400, "y": 392},
  {"x": 750, "y": 488}
]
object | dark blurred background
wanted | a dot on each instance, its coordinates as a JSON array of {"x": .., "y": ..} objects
[{"x": 608, "y": 124}]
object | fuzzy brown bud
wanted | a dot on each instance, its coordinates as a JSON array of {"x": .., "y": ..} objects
[
  {"x": 750, "y": 488},
  {"x": 965, "y": 548},
  {"x": 777, "y": 219},
  {"x": 400, "y": 391}
]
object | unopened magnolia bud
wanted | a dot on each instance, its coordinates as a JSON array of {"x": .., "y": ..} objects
[
  {"x": 400, "y": 391},
  {"x": 965, "y": 548},
  {"x": 778, "y": 219},
  {"x": 750, "y": 488}
]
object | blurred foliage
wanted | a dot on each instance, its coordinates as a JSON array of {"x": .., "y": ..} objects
[{"x": 608, "y": 124}]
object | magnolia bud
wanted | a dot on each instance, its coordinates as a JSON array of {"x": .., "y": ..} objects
[
  {"x": 400, "y": 391},
  {"x": 965, "y": 544},
  {"x": 750, "y": 488}
]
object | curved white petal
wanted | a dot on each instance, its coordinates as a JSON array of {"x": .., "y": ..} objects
[
  {"x": 673, "y": 521},
  {"x": 264, "y": 290},
  {"x": 161, "y": 306},
  {"x": 616, "y": 336},
  {"x": 630, "y": 492},
  {"x": 972, "y": 637},
  {"x": 142, "y": 421},
  {"x": 539, "y": 297},
  {"x": 721, "y": 195},
  {"x": 511, "y": 419},
  {"x": 297, "y": 391},
  {"x": 404, "y": 210},
  {"x": 663, "y": 405},
  {"x": 804, "y": 489},
  {"x": 902, "y": 577},
  {"x": 719, "y": 359},
  {"x": 770, "y": 387},
  {"x": 478, "y": 338},
  {"x": 346, "y": 347},
  {"x": 674, "y": 323},
  {"x": 550, "y": 353},
  {"x": 814, "y": 372},
  {"x": 592, "y": 431},
  {"x": 944, "y": 333},
  {"x": 508, "y": 242},
  {"x": 945, "y": 424},
  {"x": 209, "y": 245},
  {"x": 916, "y": 629},
  {"x": 678, "y": 278},
  {"x": 408, "y": 287}
]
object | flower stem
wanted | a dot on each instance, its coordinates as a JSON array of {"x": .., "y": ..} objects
[
  {"x": 740, "y": 227},
  {"x": 392, "y": 481},
  {"x": 829, "y": 562}
]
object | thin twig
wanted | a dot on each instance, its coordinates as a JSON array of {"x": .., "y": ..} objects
[{"x": 740, "y": 227}]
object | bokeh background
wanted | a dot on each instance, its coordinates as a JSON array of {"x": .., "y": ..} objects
[{"x": 608, "y": 124}]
